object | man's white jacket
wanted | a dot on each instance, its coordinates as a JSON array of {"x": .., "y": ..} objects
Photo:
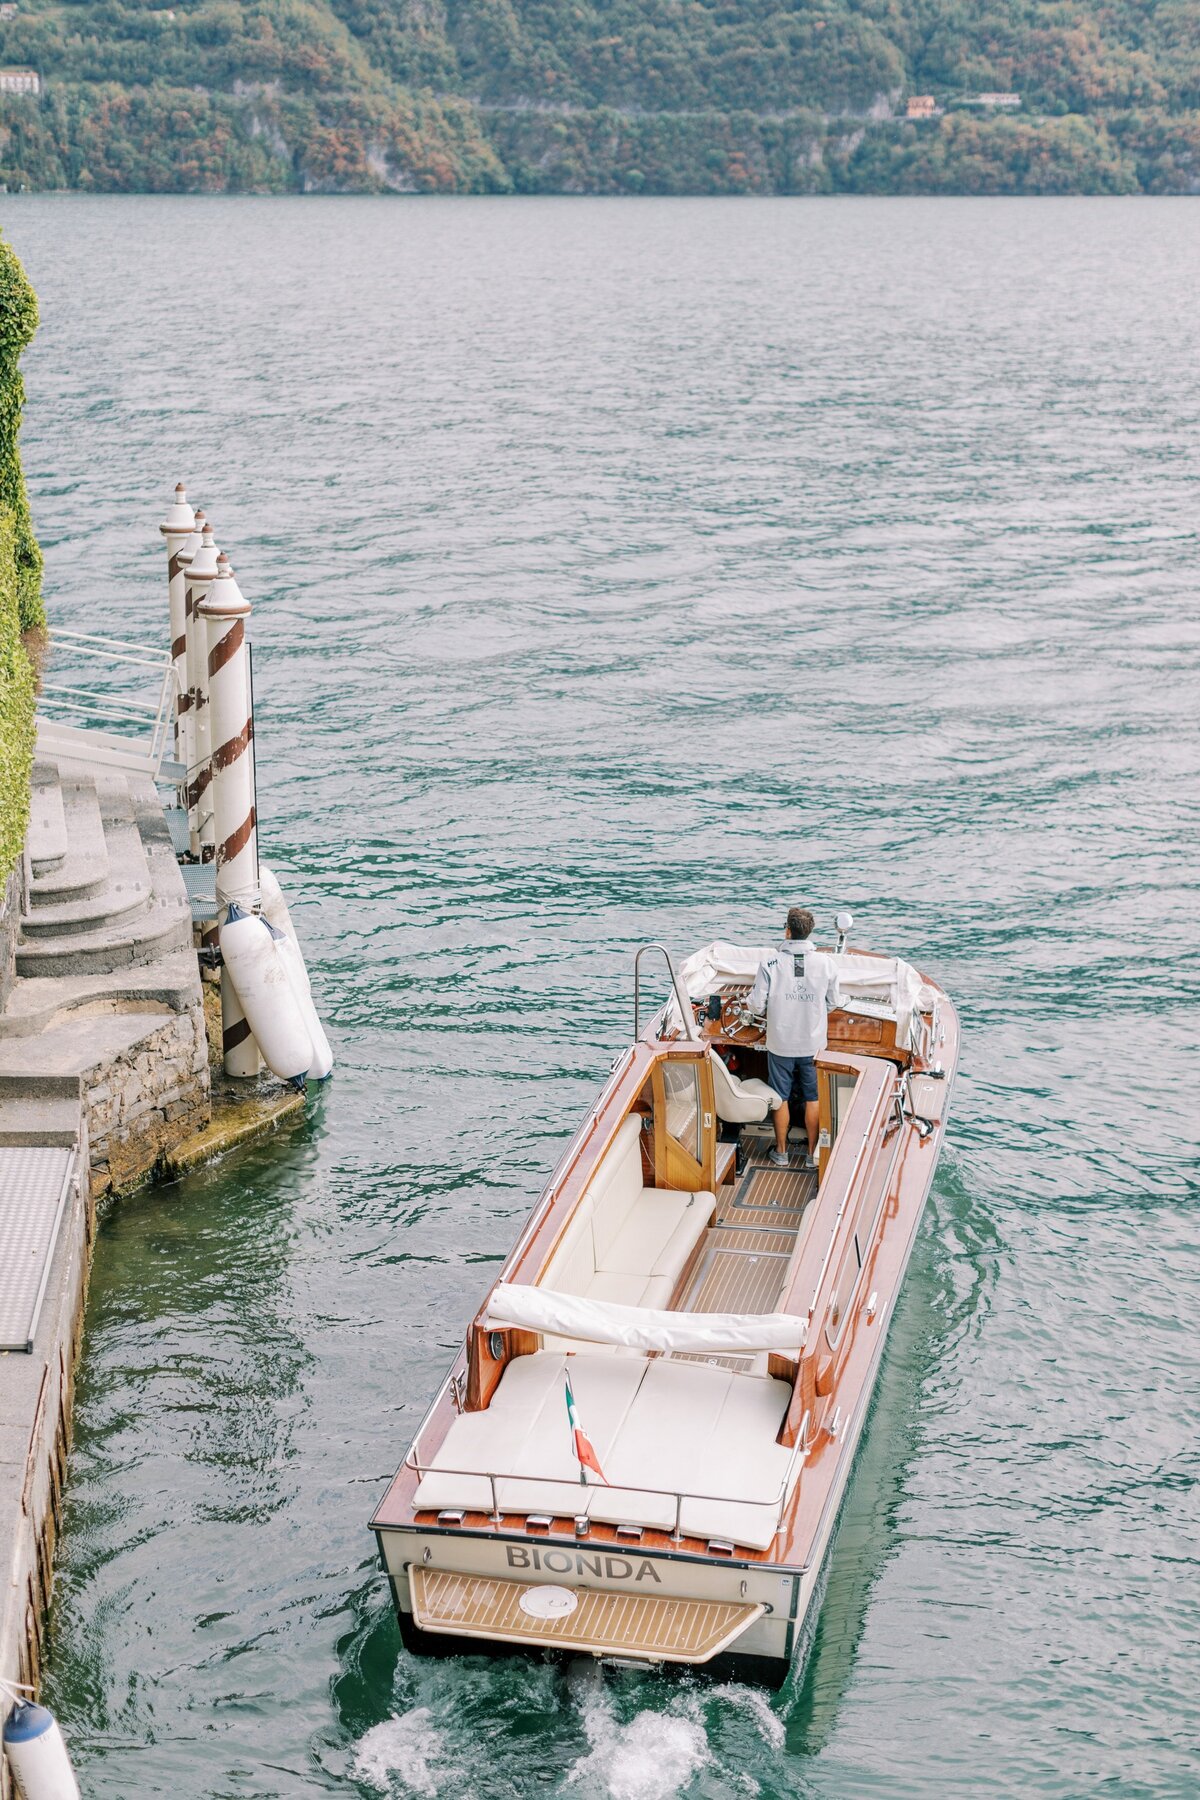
[{"x": 797, "y": 987}]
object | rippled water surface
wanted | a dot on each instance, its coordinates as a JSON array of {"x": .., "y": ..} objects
[{"x": 626, "y": 570}]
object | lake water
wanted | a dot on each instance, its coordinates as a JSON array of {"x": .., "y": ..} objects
[{"x": 628, "y": 570}]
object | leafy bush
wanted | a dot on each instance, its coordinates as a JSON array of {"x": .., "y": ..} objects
[
  {"x": 16, "y": 706},
  {"x": 20, "y": 567},
  {"x": 18, "y": 322}
]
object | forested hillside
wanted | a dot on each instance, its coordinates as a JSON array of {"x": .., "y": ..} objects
[{"x": 603, "y": 96}]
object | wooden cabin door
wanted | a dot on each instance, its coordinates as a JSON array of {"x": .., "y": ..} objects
[{"x": 685, "y": 1135}]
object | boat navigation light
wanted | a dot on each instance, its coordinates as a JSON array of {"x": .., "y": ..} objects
[{"x": 843, "y": 922}]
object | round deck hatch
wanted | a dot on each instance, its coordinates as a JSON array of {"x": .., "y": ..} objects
[{"x": 548, "y": 1602}]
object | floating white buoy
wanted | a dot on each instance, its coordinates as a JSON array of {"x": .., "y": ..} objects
[
  {"x": 275, "y": 910},
  {"x": 261, "y": 972},
  {"x": 37, "y": 1754}
]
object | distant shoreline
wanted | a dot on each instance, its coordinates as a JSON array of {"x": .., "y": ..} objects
[{"x": 158, "y": 139}]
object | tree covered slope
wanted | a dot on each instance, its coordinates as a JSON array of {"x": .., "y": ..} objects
[{"x": 672, "y": 96}]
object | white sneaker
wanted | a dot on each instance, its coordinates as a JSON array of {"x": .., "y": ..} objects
[
  {"x": 778, "y": 1159},
  {"x": 810, "y": 1161}
]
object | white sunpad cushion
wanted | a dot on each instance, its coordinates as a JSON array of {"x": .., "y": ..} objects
[
  {"x": 666, "y": 1427},
  {"x": 745, "y": 1468},
  {"x": 525, "y": 1432},
  {"x": 685, "y": 1428},
  {"x": 484, "y": 1440},
  {"x": 710, "y": 1431}
]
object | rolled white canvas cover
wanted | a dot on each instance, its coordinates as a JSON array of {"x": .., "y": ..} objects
[
  {"x": 881, "y": 987},
  {"x": 641, "y": 1327}
]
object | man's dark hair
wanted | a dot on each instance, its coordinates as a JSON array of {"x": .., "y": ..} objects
[{"x": 800, "y": 922}]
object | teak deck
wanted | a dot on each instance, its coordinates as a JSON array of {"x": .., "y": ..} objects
[{"x": 637, "y": 1625}]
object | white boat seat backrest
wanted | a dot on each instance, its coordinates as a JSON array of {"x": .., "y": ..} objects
[
  {"x": 626, "y": 1242},
  {"x": 741, "y": 1102}
]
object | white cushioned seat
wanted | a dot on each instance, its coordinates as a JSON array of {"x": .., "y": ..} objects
[
  {"x": 627, "y": 1242},
  {"x": 648, "y": 1243},
  {"x": 741, "y": 1102}
]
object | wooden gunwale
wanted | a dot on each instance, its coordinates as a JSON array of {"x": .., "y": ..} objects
[{"x": 847, "y": 1369}]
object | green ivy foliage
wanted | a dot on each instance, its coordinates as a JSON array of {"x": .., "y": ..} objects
[
  {"x": 20, "y": 566},
  {"x": 18, "y": 322},
  {"x": 16, "y": 704}
]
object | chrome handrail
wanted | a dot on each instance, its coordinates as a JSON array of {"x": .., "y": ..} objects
[
  {"x": 146, "y": 652},
  {"x": 681, "y": 999},
  {"x": 120, "y": 708},
  {"x": 84, "y": 700}
]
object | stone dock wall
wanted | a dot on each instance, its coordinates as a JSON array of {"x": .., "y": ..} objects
[{"x": 103, "y": 1050}]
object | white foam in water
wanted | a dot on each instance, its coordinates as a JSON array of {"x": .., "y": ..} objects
[
  {"x": 405, "y": 1754},
  {"x": 754, "y": 1701},
  {"x": 653, "y": 1757}
]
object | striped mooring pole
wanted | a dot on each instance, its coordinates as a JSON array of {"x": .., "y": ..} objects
[
  {"x": 187, "y": 735},
  {"x": 201, "y": 573},
  {"x": 223, "y": 612},
  {"x": 177, "y": 528}
]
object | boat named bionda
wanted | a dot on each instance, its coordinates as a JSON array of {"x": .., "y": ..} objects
[{"x": 641, "y": 1450}]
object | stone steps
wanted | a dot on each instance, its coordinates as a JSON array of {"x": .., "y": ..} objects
[
  {"x": 39, "y": 1001},
  {"x": 107, "y": 1001},
  {"x": 41, "y": 1112},
  {"x": 165, "y": 926},
  {"x": 127, "y": 890},
  {"x": 84, "y": 869},
  {"x": 138, "y": 913},
  {"x": 47, "y": 835}
]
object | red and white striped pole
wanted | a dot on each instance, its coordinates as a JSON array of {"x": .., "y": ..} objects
[
  {"x": 224, "y": 612},
  {"x": 201, "y": 573},
  {"x": 187, "y": 735},
  {"x": 177, "y": 527}
]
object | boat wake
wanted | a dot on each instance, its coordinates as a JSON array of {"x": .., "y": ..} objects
[
  {"x": 407, "y": 1754},
  {"x": 651, "y": 1757},
  {"x": 485, "y": 1741}
]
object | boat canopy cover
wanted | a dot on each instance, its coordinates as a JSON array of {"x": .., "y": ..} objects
[
  {"x": 641, "y": 1327},
  {"x": 881, "y": 987}
]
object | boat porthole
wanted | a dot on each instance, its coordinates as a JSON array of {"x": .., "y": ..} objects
[{"x": 548, "y": 1602}]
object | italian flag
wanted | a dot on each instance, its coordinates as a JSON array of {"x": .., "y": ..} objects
[{"x": 583, "y": 1449}]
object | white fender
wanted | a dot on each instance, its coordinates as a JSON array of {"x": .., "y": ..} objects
[
  {"x": 275, "y": 909},
  {"x": 37, "y": 1754},
  {"x": 263, "y": 982},
  {"x": 293, "y": 961}
]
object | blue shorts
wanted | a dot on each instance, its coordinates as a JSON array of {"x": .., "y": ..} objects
[{"x": 786, "y": 1072}]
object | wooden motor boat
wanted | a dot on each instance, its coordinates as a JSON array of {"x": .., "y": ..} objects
[{"x": 641, "y": 1450}]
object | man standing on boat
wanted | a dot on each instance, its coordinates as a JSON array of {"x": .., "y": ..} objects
[{"x": 796, "y": 986}]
